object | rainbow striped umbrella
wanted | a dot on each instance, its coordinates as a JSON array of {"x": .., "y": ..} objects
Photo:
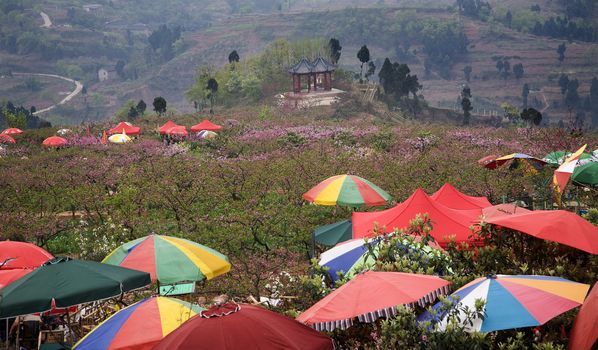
[
  {"x": 348, "y": 190},
  {"x": 170, "y": 259},
  {"x": 514, "y": 301},
  {"x": 139, "y": 326}
]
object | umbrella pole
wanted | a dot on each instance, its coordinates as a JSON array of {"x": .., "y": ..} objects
[{"x": 312, "y": 252}]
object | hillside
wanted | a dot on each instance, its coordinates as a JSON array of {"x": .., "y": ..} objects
[{"x": 100, "y": 38}]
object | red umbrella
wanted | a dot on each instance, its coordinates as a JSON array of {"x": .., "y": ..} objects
[
  {"x": 177, "y": 131},
  {"x": 5, "y": 138},
  {"x": 9, "y": 276},
  {"x": 169, "y": 124},
  {"x": 452, "y": 198},
  {"x": 558, "y": 226},
  {"x": 54, "y": 141},
  {"x": 242, "y": 326},
  {"x": 125, "y": 128},
  {"x": 371, "y": 295},
  {"x": 585, "y": 329},
  {"x": 22, "y": 255},
  {"x": 447, "y": 223},
  {"x": 205, "y": 125},
  {"x": 487, "y": 159},
  {"x": 12, "y": 131}
]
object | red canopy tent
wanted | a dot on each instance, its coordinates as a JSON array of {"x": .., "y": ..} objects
[
  {"x": 451, "y": 197},
  {"x": 169, "y": 124},
  {"x": 205, "y": 125},
  {"x": 54, "y": 141},
  {"x": 447, "y": 223},
  {"x": 178, "y": 130},
  {"x": 5, "y": 138},
  {"x": 240, "y": 326},
  {"x": 125, "y": 128},
  {"x": 585, "y": 329},
  {"x": 501, "y": 210},
  {"x": 10, "y": 275},
  {"x": 558, "y": 226}
]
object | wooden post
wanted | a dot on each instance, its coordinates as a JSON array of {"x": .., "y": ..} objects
[
  {"x": 309, "y": 83},
  {"x": 315, "y": 82}
]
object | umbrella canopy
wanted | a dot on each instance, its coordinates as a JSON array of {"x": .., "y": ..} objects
[
  {"x": 12, "y": 131},
  {"x": 158, "y": 316},
  {"x": 586, "y": 174},
  {"x": 241, "y": 326},
  {"x": 515, "y": 301},
  {"x": 535, "y": 162},
  {"x": 352, "y": 256},
  {"x": 22, "y": 255},
  {"x": 447, "y": 223},
  {"x": 9, "y": 276},
  {"x": 205, "y": 125},
  {"x": 170, "y": 259},
  {"x": 55, "y": 141},
  {"x": 119, "y": 138},
  {"x": 64, "y": 282},
  {"x": 585, "y": 329},
  {"x": 487, "y": 159},
  {"x": 558, "y": 226},
  {"x": 63, "y": 132},
  {"x": 169, "y": 124},
  {"x": 371, "y": 295},
  {"x": 204, "y": 134},
  {"x": 563, "y": 173},
  {"x": 333, "y": 234},
  {"x": 7, "y": 139},
  {"x": 125, "y": 128},
  {"x": 178, "y": 130},
  {"x": 501, "y": 210},
  {"x": 557, "y": 157},
  {"x": 451, "y": 197},
  {"x": 347, "y": 190}
]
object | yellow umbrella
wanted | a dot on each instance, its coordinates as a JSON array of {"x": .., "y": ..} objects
[{"x": 119, "y": 138}]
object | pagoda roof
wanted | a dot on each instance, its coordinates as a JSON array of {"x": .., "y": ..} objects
[{"x": 319, "y": 65}]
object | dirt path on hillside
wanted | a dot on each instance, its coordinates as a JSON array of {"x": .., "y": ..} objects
[
  {"x": 70, "y": 96},
  {"x": 47, "y": 21}
]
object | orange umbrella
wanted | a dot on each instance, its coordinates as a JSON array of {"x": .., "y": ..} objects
[
  {"x": 54, "y": 141},
  {"x": 487, "y": 159},
  {"x": 12, "y": 131},
  {"x": 5, "y": 138},
  {"x": 585, "y": 328}
]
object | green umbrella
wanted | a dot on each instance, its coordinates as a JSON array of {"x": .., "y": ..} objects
[
  {"x": 586, "y": 174},
  {"x": 333, "y": 234},
  {"x": 558, "y": 157},
  {"x": 64, "y": 282}
]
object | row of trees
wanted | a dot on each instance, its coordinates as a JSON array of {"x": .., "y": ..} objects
[
  {"x": 565, "y": 28},
  {"x": 504, "y": 68},
  {"x": 20, "y": 117}
]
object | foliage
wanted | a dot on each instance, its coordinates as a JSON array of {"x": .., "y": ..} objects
[
  {"x": 397, "y": 81},
  {"x": 466, "y": 104},
  {"x": 335, "y": 48},
  {"x": 159, "y": 105}
]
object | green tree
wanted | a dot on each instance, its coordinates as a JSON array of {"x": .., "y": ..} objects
[
  {"x": 159, "y": 105},
  {"x": 141, "y": 107},
  {"x": 133, "y": 113},
  {"x": 563, "y": 83},
  {"x": 364, "y": 56},
  {"x": 212, "y": 87},
  {"x": 525, "y": 94},
  {"x": 594, "y": 102},
  {"x": 509, "y": 18},
  {"x": 499, "y": 65},
  {"x": 518, "y": 70},
  {"x": 467, "y": 72},
  {"x": 506, "y": 69},
  {"x": 233, "y": 56},
  {"x": 335, "y": 50},
  {"x": 561, "y": 51},
  {"x": 572, "y": 96},
  {"x": 371, "y": 70},
  {"x": 531, "y": 116},
  {"x": 466, "y": 104},
  {"x": 120, "y": 69}
]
